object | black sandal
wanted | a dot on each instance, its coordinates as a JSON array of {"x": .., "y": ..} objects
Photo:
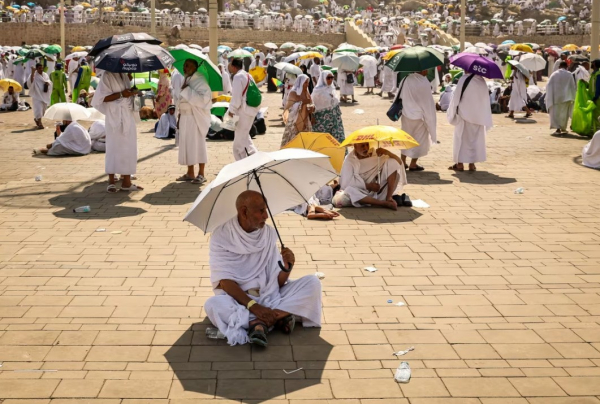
[
  {"x": 258, "y": 337},
  {"x": 417, "y": 168},
  {"x": 286, "y": 324}
]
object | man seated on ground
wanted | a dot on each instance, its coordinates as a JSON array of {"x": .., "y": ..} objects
[
  {"x": 74, "y": 141},
  {"x": 166, "y": 127},
  {"x": 362, "y": 184},
  {"x": 98, "y": 136},
  {"x": 10, "y": 101},
  {"x": 445, "y": 98},
  {"x": 250, "y": 279}
]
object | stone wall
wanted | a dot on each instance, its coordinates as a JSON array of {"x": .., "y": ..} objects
[
  {"x": 89, "y": 34},
  {"x": 546, "y": 40},
  {"x": 356, "y": 36}
]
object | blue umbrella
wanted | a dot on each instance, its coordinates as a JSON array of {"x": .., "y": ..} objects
[
  {"x": 16, "y": 6},
  {"x": 223, "y": 48},
  {"x": 134, "y": 58},
  {"x": 561, "y": 19},
  {"x": 249, "y": 48},
  {"x": 31, "y": 4},
  {"x": 508, "y": 42},
  {"x": 476, "y": 64}
]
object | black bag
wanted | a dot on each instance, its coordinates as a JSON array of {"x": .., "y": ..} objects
[
  {"x": 395, "y": 111},
  {"x": 462, "y": 91},
  {"x": 261, "y": 126},
  {"x": 350, "y": 78}
]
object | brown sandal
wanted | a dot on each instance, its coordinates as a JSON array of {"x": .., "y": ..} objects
[{"x": 455, "y": 168}]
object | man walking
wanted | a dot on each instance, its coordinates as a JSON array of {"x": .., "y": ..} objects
[
  {"x": 59, "y": 85},
  {"x": 560, "y": 96},
  {"x": 242, "y": 143},
  {"x": 40, "y": 89}
]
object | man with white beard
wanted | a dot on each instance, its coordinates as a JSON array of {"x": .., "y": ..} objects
[
  {"x": 470, "y": 114},
  {"x": 560, "y": 95},
  {"x": 418, "y": 116},
  {"x": 113, "y": 99},
  {"x": 40, "y": 90},
  {"x": 194, "y": 121},
  {"x": 242, "y": 143}
]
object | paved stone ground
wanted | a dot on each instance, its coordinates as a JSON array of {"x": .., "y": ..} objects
[{"x": 501, "y": 290}]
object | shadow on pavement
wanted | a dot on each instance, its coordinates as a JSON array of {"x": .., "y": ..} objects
[
  {"x": 103, "y": 205},
  {"x": 380, "y": 215},
  {"x": 175, "y": 193},
  {"x": 207, "y": 368},
  {"x": 569, "y": 135},
  {"x": 426, "y": 178},
  {"x": 482, "y": 177}
]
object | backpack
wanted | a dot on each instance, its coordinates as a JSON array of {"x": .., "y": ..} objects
[{"x": 253, "y": 98}]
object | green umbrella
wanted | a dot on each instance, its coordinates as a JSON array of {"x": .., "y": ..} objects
[
  {"x": 322, "y": 48},
  {"x": 53, "y": 49},
  {"x": 22, "y": 51},
  {"x": 239, "y": 54},
  {"x": 205, "y": 66},
  {"x": 19, "y": 60},
  {"x": 35, "y": 53},
  {"x": 219, "y": 108},
  {"x": 416, "y": 59}
]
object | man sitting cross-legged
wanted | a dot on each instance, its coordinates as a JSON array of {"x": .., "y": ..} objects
[{"x": 253, "y": 293}]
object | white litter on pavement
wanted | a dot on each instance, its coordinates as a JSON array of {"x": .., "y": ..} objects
[
  {"x": 320, "y": 275},
  {"x": 400, "y": 304},
  {"x": 358, "y": 111},
  {"x": 402, "y": 374},
  {"x": 371, "y": 269},
  {"x": 419, "y": 203},
  {"x": 38, "y": 177},
  {"x": 291, "y": 371},
  {"x": 116, "y": 232},
  {"x": 100, "y": 230},
  {"x": 402, "y": 353}
]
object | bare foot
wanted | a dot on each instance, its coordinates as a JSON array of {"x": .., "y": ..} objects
[{"x": 391, "y": 204}]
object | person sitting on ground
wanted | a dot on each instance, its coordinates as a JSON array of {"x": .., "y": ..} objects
[
  {"x": 250, "y": 279},
  {"x": 370, "y": 177},
  {"x": 83, "y": 99},
  {"x": 445, "y": 98},
  {"x": 10, "y": 101},
  {"x": 74, "y": 141},
  {"x": 495, "y": 96},
  {"x": 166, "y": 127},
  {"x": 98, "y": 136},
  {"x": 313, "y": 209}
]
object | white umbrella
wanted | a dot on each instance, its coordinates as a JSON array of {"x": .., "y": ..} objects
[
  {"x": 345, "y": 61},
  {"x": 202, "y": 10},
  {"x": 76, "y": 55},
  {"x": 288, "y": 68},
  {"x": 194, "y": 46},
  {"x": 67, "y": 111},
  {"x": 532, "y": 62},
  {"x": 270, "y": 45},
  {"x": 288, "y": 45},
  {"x": 367, "y": 60},
  {"x": 294, "y": 56},
  {"x": 181, "y": 46},
  {"x": 476, "y": 50},
  {"x": 95, "y": 115},
  {"x": 520, "y": 67},
  {"x": 206, "y": 49},
  {"x": 285, "y": 177}
]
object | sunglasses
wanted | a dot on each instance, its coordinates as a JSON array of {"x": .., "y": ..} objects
[{"x": 330, "y": 78}]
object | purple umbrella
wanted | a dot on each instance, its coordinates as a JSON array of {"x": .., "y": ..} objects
[{"x": 476, "y": 64}]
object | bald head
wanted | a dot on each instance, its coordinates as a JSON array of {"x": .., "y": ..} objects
[{"x": 252, "y": 210}]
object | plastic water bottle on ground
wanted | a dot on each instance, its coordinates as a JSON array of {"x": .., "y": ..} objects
[
  {"x": 82, "y": 209},
  {"x": 402, "y": 374},
  {"x": 214, "y": 333},
  {"x": 519, "y": 191}
]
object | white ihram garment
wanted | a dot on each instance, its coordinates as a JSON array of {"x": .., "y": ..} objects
[
  {"x": 40, "y": 99},
  {"x": 560, "y": 96},
  {"x": 518, "y": 94},
  {"x": 251, "y": 260},
  {"x": 473, "y": 119},
  {"x": 370, "y": 71},
  {"x": 345, "y": 87},
  {"x": 591, "y": 152},
  {"x": 194, "y": 121},
  {"x": 357, "y": 172},
  {"x": 121, "y": 133},
  {"x": 167, "y": 121},
  {"x": 389, "y": 80},
  {"x": 418, "y": 114},
  {"x": 75, "y": 140},
  {"x": 98, "y": 136},
  {"x": 242, "y": 143}
]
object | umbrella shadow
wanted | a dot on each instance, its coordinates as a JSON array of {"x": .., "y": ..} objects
[
  {"x": 25, "y": 130},
  {"x": 568, "y": 135},
  {"x": 103, "y": 205},
  {"x": 482, "y": 178},
  {"x": 175, "y": 193},
  {"x": 380, "y": 215},
  {"x": 426, "y": 178},
  {"x": 206, "y": 368}
]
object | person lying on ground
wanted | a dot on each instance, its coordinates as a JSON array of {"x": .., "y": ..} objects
[{"x": 74, "y": 141}]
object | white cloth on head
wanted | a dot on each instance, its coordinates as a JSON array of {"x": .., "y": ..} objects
[
  {"x": 591, "y": 152},
  {"x": 41, "y": 99},
  {"x": 75, "y": 140},
  {"x": 473, "y": 119},
  {"x": 242, "y": 143},
  {"x": 518, "y": 95},
  {"x": 418, "y": 113},
  {"x": 324, "y": 96},
  {"x": 194, "y": 121},
  {"x": 299, "y": 84},
  {"x": 226, "y": 79},
  {"x": 315, "y": 71},
  {"x": 446, "y": 97},
  {"x": 357, "y": 172},
  {"x": 251, "y": 260},
  {"x": 120, "y": 120},
  {"x": 98, "y": 136},
  {"x": 166, "y": 122},
  {"x": 581, "y": 73}
]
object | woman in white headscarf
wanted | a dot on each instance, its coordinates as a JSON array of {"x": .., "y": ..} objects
[
  {"x": 328, "y": 114},
  {"x": 298, "y": 110}
]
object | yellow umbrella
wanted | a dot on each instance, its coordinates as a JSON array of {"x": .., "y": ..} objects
[
  {"x": 258, "y": 73},
  {"x": 392, "y": 53},
  {"x": 425, "y": 12},
  {"x": 570, "y": 47},
  {"x": 372, "y": 50},
  {"x": 86, "y": 5},
  {"x": 311, "y": 55},
  {"x": 384, "y": 136},
  {"x": 78, "y": 49},
  {"x": 321, "y": 143},
  {"x": 5, "y": 83},
  {"x": 223, "y": 98},
  {"x": 430, "y": 5},
  {"x": 521, "y": 47}
]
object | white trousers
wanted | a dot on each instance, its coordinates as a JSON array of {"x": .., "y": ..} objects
[
  {"x": 39, "y": 108},
  {"x": 242, "y": 143}
]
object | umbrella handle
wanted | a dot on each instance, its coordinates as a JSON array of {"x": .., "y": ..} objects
[{"x": 283, "y": 267}]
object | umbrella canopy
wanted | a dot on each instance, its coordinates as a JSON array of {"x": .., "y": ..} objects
[
  {"x": 210, "y": 72},
  {"x": 76, "y": 55},
  {"x": 532, "y": 62},
  {"x": 552, "y": 52},
  {"x": 258, "y": 73},
  {"x": 321, "y": 143},
  {"x": 288, "y": 68},
  {"x": 385, "y": 136},
  {"x": 135, "y": 57},
  {"x": 78, "y": 49},
  {"x": 472, "y": 63},
  {"x": 249, "y": 49},
  {"x": 136, "y": 37},
  {"x": 521, "y": 47},
  {"x": 224, "y": 48},
  {"x": 367, "y": 60},
  {"x": 67, "y": 111},
  {"x": 416, "y": 59},
  {"x": 288, "y": 45},
  {"x": 508, "y": 42},
  {"x": 53, "y": 49},
  {"x": 477, "y": 50},
  {"x": 270, "y": 45},
  {"x": 575, "y": 58},
  {"x": 34, "y": 53},
  {"x": 5, "y": 83},
  {"x": 239, "y": 54},
  {"x": 570, "y": 47},
  {"x": 345, "y": 61},
  {"x": 520, "y": 67},
  {"x": 311, "y": 55},
  {"x": 286, "y": 178},
  {"x": 322, "y": 48},
  {"x": 145, "y": 83},
  {"x": 95, "y": 115},
  {"x": 219, "y": 108}
]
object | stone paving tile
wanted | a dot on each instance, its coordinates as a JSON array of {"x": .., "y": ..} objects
[{"x": 502, "y": 291}]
